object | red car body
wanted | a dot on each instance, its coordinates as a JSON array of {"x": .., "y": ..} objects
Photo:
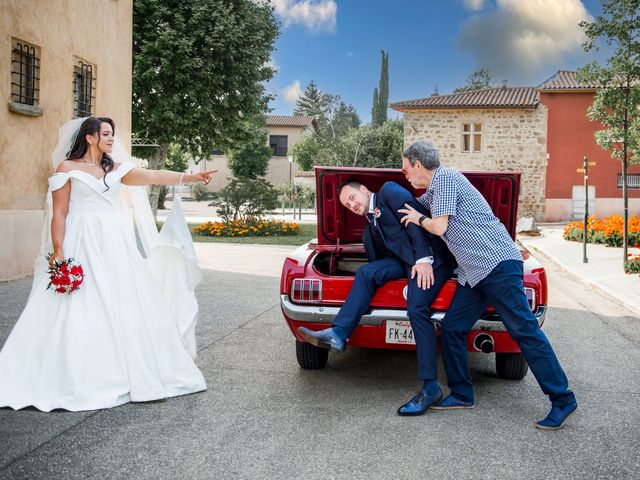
[{"x": 317, "y": 277}]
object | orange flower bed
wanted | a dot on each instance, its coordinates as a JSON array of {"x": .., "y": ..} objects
[
  {"x": 608, "y": 230},
  {"x": 251, "y": 228}
]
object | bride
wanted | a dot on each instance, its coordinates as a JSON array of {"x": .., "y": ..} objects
[{"x": 126, "y": 335}]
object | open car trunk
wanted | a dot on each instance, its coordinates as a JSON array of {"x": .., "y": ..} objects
[
  {"x": 337, "y": 227},
  {"x": 340, "y": 251}
]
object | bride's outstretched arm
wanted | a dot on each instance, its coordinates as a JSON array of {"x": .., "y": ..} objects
[
  {"x": 139, "y": 176},
  {"x": 60, "y": 199}
]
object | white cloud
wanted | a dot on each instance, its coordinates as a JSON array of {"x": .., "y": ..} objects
[
  {"x": 349, "y": 54},
  {"x": 315, "y": 15},
  {"x": 522, "y": 37},
  {"x": 292, "y": 93},
  {"x": 474, "y": 4}
]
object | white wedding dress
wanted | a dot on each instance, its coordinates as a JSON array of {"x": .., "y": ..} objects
[{"x": 124, "y": 335}]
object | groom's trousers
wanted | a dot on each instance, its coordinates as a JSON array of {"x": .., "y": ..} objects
[{"x": 373, "y": 275}]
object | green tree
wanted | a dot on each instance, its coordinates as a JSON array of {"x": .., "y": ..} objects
[
  {"x": 616, "y": 103},
  {"x": 476, "y": 80},
  {"x": 250, "y": 159},
  {"x": 199, "y": 71},
  {"x": 245, "y": 199},
  {"x": 333, "y": 115},
  {"x": 312, "y": 150},
  {"x": 375, "y": 107},
  {"x": 315, "y": 103},
  {"x": 366, "y": 146},
  {"x": 306, "y": 152},
  {"x": 374, "y": 146},
  {"x": 381, "y": 94},
  {"x": 384, "y": 88},
  {"x": 177, "y": 159},
  {"x": 345, "y": 118}
]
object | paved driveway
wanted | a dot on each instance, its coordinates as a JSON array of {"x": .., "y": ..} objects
[{"x": 263, "y": 417}]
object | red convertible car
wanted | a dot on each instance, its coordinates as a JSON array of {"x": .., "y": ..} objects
[{"x": 317, "y": 277}]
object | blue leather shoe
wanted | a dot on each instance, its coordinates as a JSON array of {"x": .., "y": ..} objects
[
  {"x": 419, "y": 404},
  {"x": 452, "y": 403},
  {"x": 557, "y": 417},
  {"x": 326, "y": 338}
]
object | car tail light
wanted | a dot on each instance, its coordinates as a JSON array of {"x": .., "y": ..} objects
[
  {"x": 306, "y": 290},
  {"x": 531, "y": 297}
]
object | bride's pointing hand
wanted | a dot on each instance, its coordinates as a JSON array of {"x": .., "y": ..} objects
[{"x": 204, "y": 177}]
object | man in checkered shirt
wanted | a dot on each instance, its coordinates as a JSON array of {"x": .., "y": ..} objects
[{"x": 490, "y": 272}]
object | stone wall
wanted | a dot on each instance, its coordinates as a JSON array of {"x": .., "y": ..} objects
[{"x": 512, "y": 140}]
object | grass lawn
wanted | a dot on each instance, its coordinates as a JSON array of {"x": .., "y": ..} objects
[{"x": 309, "y": 231}]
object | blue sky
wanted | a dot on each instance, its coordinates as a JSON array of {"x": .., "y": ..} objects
[{"x": 431, "y": 43}]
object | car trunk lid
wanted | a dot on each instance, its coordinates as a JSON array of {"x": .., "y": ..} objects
[{"x": 338, "y": 228}]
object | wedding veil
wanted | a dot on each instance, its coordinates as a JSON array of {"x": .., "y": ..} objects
[
  {"x": 170, "y": 255},
  {"x": 135, "y": 201}
]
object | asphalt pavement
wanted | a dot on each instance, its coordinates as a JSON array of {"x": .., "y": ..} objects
[{"x": 263, "y": 417}]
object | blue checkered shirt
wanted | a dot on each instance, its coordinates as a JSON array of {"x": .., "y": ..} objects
[{"x": 475, "y": 236}]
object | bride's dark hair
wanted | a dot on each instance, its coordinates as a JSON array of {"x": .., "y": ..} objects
[{"x": 91, "y": 126}]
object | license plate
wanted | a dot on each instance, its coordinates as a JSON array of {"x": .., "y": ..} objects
[{"x": 399, "y": 332}]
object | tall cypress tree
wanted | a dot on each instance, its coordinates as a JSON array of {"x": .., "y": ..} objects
[
  {"x": 381, "y": 94},
  {"x": 375, "y": 107},
  {"x": 383, "y": 91}
]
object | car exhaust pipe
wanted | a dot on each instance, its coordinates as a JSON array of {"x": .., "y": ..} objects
[{"x": 483, "y": 343}]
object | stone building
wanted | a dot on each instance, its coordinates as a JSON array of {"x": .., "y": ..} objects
[
  {"x": 493, "y": 129},
  {"x": 284, "y": 132},
  {"x": 59, "y": 59}
]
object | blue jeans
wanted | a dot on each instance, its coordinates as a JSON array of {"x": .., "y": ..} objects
[
  {"x": 503, "y": 289},
  {"x": 373, "y": 275}
]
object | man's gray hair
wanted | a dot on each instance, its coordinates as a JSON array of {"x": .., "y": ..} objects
[{"x": 423, "y": 151}]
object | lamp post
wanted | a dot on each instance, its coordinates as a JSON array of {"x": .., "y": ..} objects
[{"x": 585, "y": 171}]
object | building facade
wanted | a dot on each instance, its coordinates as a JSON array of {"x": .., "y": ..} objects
[
  {"x": 570, "y": 138},
  {"x": 284, "y": 132},
  {"x": 494, "y": 129},
  {"x": 59, "y": 59}
]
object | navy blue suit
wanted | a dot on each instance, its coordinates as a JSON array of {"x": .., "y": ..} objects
[{"x": 392, "y": 251}]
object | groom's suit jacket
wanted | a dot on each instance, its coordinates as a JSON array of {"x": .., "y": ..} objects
[
  {"x": 387, "y": 235},
  {"x": 392, "y": 250}
]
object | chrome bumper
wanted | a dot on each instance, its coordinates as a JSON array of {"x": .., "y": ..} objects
[{"x": 376, "y": 317}]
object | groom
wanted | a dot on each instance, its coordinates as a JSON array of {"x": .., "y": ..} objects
[{"x": 393, "y": 252}]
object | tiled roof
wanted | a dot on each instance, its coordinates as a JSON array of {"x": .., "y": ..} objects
[
  {"x": 564, "y": 80},
  {"x": 290, "y": 121},
  {"x": 499, "y": 97}
]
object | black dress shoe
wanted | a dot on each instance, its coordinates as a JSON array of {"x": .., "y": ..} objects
[
  {"x": 326, "y": 338},
  {"x": 419, "y": 404}
]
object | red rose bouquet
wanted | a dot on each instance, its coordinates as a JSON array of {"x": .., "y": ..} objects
[{"x": 65, "y": 276}]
